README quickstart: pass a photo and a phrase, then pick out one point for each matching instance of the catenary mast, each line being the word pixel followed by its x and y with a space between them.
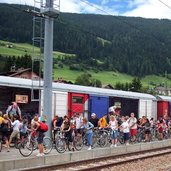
pixel 50 10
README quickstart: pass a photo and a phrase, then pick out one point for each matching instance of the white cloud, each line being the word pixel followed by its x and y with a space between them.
pixel 152 9
pixel 144 8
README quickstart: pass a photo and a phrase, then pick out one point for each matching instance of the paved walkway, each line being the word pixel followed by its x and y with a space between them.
pixel 15 154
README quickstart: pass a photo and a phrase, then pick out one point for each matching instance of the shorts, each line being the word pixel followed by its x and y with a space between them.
pixel 40 137
pixel 14 134
pixel 126 136
pixel 5 135
pixel 133 132
pixel 160 130
pixel 68 135
pixel 114 134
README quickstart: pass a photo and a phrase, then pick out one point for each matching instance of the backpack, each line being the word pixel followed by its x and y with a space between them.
pixel 43 127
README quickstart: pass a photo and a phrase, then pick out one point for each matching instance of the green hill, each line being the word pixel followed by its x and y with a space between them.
pixel 106 77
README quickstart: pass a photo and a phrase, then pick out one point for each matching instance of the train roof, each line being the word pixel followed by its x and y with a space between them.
pixel 26 83
pixel 163 98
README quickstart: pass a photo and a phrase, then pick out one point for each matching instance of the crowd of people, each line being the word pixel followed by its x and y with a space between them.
pixel 14 126
pixel 129 125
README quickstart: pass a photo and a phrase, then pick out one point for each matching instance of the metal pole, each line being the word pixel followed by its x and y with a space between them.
pixel 48 60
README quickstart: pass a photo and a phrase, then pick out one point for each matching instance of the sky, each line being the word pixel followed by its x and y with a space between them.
pixel 136 8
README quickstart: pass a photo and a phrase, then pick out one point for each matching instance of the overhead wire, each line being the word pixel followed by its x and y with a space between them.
pixel 123 21
pixel 165 4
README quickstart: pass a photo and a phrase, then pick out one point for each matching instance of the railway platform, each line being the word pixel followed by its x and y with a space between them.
pixel 13 161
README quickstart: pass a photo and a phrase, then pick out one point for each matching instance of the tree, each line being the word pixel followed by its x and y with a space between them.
pixel 84 79
pixel 96 83
pixel 136 85
pixel 119 86
pixel 87 80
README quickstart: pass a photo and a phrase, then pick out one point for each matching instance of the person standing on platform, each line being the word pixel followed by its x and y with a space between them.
pixel 113 124
pixel 56 124
pixel 125 128
pixel 133 126
pixel 16 127
pixel 88 126
pixel 103 122
pixel 14 110
pixel 6 130
pixel 94 120
pixel 78 122
pixel 40 132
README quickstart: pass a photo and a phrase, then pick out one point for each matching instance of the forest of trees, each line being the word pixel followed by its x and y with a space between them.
pixel 135 46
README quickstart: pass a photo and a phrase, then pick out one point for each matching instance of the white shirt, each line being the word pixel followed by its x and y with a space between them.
pixel 125 127
pixel 113 125
pixel 132 123
pixel 78 121
pixel 16 125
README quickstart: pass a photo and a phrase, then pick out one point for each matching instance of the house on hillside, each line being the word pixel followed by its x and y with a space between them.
pixel 22 73
pixel 108 86
pixel 61 80
pixel 163 91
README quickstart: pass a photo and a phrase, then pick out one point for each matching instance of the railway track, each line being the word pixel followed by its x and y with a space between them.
pixel 103 162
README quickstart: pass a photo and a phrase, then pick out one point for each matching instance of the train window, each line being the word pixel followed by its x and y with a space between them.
pixel 76 99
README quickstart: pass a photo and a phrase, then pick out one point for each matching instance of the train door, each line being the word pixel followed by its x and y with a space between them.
pixel 77 103
pixel 98 105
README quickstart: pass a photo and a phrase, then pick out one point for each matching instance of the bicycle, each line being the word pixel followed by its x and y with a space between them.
pixel 62 142
pixel 121 137
pixel 77 141
pixel 100 137
pixel 29 144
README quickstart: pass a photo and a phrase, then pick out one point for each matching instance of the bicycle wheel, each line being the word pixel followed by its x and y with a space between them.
pixel 121 138
pixel 139 137
pixel 60 145
pixel 103 139
pixel 94 140
pixel 78 143
pixel 47 145
pixel 25 148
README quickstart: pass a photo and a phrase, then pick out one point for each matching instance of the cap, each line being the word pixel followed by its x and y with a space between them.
pixel 93 114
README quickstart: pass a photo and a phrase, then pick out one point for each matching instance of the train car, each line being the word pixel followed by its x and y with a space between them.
pixel 99 100
pixel 69 99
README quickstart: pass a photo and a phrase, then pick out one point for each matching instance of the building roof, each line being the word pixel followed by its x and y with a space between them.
pixel 163 88
pixel 16 72
pixel 109 86
pixel 26 83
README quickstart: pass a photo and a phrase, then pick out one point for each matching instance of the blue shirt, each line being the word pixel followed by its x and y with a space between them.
pixel 88 126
